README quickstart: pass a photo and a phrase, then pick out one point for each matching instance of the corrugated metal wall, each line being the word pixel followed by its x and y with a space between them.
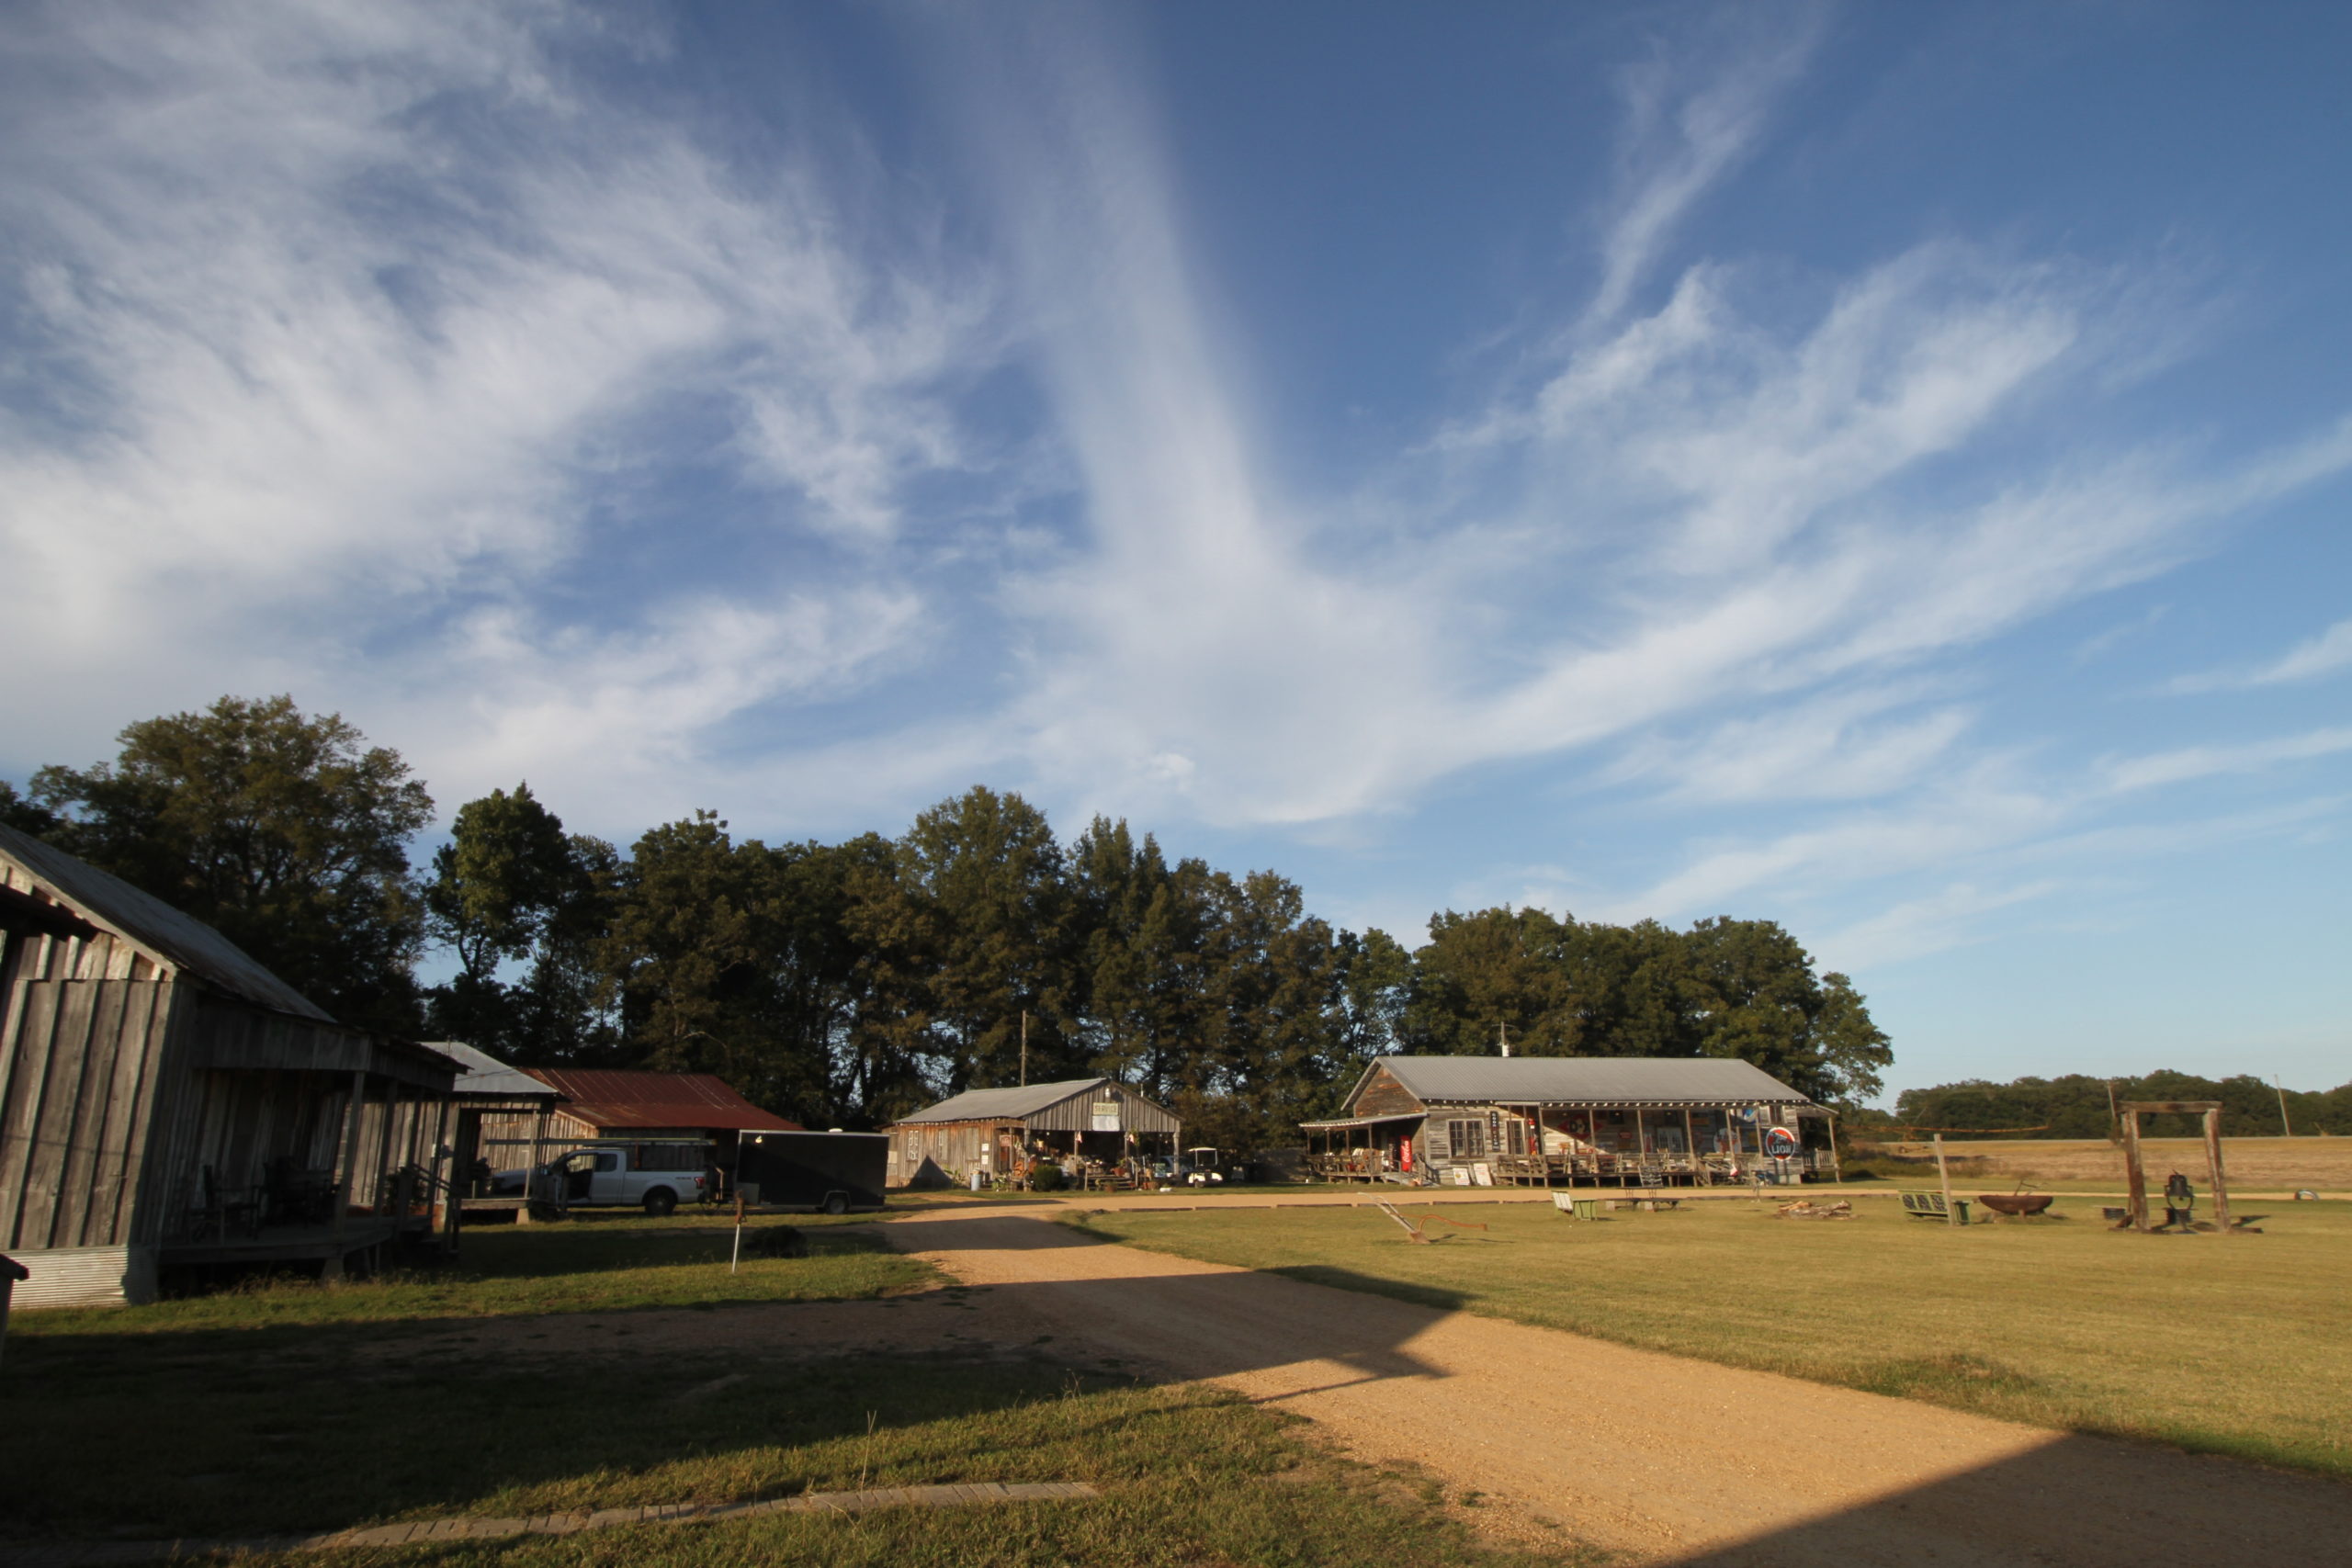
pixel 1076 1114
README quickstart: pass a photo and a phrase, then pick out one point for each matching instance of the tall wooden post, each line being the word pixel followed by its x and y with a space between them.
pixel 384 1140
pixel 1943 1175
pixel 1025 1047
pixel 349 1173
pixel 2214 1164
pixel 2135 1174
pixel 445 1152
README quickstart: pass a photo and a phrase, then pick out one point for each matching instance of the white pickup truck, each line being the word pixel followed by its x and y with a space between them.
pixel 655 1177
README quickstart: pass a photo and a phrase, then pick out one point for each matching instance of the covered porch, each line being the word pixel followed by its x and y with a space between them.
pixel 1364 1148
pixel 1659 1145
pixel 299 1142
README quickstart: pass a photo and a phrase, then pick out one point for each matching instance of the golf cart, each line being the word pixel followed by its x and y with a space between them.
pixel 1203 1166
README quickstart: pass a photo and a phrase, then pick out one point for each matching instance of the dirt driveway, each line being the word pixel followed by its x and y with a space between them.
pixel 1665 1460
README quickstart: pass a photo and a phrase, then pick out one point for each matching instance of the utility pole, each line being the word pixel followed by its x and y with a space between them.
pixel 2284 1130
pixel 1025 1047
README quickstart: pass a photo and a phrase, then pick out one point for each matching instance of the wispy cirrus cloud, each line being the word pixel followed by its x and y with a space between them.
pixel 2322 654
pixel 411 358
pixel 354 326
pixel 1706 509
pixel 2208 762
pixel 1686 130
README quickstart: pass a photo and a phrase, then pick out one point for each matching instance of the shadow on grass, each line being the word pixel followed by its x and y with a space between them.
pixel 227 1432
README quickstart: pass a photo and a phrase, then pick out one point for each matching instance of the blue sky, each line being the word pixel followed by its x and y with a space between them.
pixel 1883 469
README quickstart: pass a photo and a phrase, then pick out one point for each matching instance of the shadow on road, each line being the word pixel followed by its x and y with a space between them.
pixel 2079 1502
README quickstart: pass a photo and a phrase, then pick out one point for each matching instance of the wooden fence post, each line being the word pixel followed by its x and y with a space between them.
pixel 1951 1214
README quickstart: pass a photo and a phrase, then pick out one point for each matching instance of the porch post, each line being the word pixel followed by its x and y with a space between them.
pixel 350 1171
pixel 445 1153
pixel 384 1140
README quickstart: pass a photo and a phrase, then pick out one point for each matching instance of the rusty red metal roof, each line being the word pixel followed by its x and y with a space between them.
pixel 611 1099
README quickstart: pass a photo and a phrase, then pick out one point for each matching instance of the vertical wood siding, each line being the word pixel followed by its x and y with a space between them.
pixel 75 1064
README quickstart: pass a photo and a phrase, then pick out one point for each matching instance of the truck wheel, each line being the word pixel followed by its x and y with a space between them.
pixel 661 1201
pixel 836 1204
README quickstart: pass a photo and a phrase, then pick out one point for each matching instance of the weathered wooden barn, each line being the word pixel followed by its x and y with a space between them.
pixel 166 1101
pixel 603 1105
pixel 1097 1125
pixel 1545 1120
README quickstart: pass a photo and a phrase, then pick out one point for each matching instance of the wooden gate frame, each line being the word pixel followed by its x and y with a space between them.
pixel 2129 1111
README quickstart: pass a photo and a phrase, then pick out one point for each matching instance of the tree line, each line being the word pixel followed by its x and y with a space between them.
pixel 846 984
pixel 2079 1106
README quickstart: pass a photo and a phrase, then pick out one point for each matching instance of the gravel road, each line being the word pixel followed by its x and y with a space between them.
pixel 1661 1459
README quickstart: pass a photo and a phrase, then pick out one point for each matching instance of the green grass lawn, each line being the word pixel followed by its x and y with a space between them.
pixel 2229 1345
pixel 296 1407
pixel 590 1263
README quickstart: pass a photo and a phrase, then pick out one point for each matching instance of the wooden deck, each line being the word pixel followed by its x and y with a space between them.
pixel 294 1244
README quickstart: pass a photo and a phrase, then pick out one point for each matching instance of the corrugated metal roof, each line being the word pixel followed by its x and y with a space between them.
pixel 993 1104
pixel 606 1097
pixel 1347 1121
pixel 1588 1080
pixel 482 1075
pixel 180 941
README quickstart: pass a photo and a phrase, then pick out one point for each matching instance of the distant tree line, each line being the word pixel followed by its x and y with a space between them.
pixel 2077 1106
pixel 847 984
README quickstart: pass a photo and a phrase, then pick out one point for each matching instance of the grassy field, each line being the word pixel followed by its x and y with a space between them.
pixel 2228 1345
pixel 2064 1164
pixel 296 1407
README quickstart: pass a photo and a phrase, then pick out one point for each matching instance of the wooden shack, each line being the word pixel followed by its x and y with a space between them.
pixel 1542 1121
pixel 165 1101
pixel 1096 1127
pixel 488 1092
pixel 596 1105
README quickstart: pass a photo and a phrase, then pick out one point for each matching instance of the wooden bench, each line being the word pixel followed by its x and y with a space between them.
pixel 1931 1206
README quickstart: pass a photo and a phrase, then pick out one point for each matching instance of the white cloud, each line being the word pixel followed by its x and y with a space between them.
pixel 1958 819
pixel 2207 762
pixel 1715 509
pixel 1685 130
pixel 1840 746
pixel 2322 654
pixel 1951 918
pixel 353 317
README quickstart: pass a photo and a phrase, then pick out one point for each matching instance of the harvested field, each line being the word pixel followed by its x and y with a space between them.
pixel 2251 1163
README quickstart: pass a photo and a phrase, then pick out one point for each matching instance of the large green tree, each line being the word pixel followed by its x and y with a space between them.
pixel 510 885
pixel 974 930
pixel 1724 988
pixel 287 834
